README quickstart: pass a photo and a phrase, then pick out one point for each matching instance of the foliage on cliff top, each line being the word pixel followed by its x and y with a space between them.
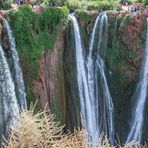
pixel 6 4
pixel 127 19
pixel 32 30
pixel 145 2
pixel 34 34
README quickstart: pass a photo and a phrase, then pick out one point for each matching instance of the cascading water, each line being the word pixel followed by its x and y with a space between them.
pixel 20 87
pixel 86 108
pixel 141 95
pixel 97 79
pixel 89 78
pixel 8 102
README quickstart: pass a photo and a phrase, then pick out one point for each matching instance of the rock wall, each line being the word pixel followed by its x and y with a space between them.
pixel 49 87
pixel 123 56
pixel 56 84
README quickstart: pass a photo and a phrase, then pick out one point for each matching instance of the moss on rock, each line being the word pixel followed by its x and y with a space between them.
pixel 35 33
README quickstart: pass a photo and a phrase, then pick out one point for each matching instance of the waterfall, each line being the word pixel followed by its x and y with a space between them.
pixel 140 97
pixel 101 101
pixel 8 102
pixel 90 72
pixel 20 87
pixel 86 108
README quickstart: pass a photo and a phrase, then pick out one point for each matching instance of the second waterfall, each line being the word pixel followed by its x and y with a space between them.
pixel 95 100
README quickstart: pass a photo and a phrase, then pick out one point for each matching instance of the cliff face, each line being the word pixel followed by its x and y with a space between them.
pixel 123 56
pixel 49 87
pixel 54 83
pixel 126 48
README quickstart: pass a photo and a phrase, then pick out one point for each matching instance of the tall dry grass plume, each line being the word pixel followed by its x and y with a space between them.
pixel 41 131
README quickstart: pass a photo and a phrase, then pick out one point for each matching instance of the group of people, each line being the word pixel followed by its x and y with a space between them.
pixel 132 8
pixel 19 2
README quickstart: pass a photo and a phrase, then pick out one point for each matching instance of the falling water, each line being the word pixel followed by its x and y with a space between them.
pixel 101 101
pixel 88 81
pixel 8 102
pixel 20 87
pixel 141 95
pixel 86 108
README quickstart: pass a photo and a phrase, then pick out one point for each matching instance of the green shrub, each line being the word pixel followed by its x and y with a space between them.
pixel 53 2
pixel 145 2
pixel 73 4
pixel 97 5
pixel 32 30
pixel 53 16
pixel 127 19
pixel 6 4
pixel 34 34
pixel 84 16
pixel 117 6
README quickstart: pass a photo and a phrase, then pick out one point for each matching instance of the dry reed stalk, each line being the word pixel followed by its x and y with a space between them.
pixel 41 131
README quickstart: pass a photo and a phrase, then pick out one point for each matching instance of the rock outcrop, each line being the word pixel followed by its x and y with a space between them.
pixel 49 88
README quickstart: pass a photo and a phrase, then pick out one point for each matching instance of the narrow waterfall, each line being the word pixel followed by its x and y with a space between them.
pixel 140 97
pixel 94 100
pixel 20 87
pixel 8 102
pixel 86 108
pixel 100 96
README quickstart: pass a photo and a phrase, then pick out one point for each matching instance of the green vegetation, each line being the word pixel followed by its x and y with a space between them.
pixel 73 4
pixel 6 4
pixel 97 5
pixel 145 2
pixel 127 19
pixel 92 5
pixel 83 15
pixel 34 34
pixel 53 2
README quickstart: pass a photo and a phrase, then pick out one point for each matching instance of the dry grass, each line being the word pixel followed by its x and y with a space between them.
pixel 76 140
pixel 41 131
pixel 38 130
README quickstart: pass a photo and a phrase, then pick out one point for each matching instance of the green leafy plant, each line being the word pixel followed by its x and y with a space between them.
pixel 6 4
pixel 127 19
pixel 35 33
pixel 53 2
pixel 145 2
pixel 97 5
pixel 73 4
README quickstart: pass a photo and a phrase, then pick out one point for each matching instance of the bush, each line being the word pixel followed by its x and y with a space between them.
pixel 53 16
pixel 73 4
pixel 127 19
pixel 53 2
pixel 41 131
pixel 117 6
pixel 145 2
pixel 31 30
pixel 97 5
pixel 35 33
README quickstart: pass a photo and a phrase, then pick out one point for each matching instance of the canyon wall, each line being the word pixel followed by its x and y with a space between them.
pixel 50 74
